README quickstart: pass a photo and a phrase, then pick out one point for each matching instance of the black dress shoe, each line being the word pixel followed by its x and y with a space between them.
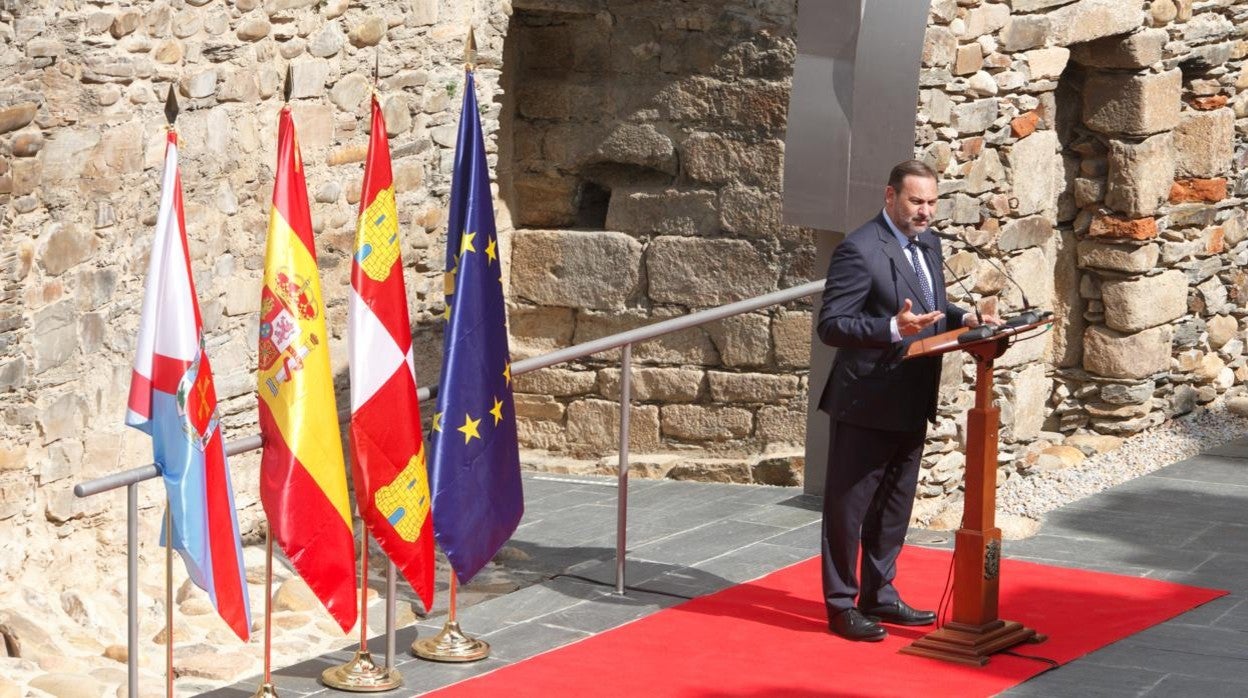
pixel 899 613
pixel 852 625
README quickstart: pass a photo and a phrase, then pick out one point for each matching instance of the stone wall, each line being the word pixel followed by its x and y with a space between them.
pixel 81 145
pixel 647 174
pixel 1097 149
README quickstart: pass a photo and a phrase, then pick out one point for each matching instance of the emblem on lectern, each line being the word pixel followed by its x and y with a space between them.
pixel 992 559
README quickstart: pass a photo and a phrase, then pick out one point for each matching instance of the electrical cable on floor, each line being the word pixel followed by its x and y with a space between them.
pixel 629 588
pixel 1052 663
pixel 946 596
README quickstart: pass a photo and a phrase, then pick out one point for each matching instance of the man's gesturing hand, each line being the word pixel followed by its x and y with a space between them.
pixel 908 323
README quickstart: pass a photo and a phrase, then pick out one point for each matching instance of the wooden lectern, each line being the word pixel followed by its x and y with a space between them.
pixel 975 632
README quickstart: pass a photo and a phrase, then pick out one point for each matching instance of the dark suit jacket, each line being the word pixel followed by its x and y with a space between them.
pixel 868 280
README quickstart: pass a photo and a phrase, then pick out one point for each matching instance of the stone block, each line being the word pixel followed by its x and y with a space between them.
pixel 538 407
pixel 1116 355
pixel 1135 304
pixel 537 331
pixel 1033 271
pixel 940 46
pixel 662 211
pixel 654 384
pixel 1131 52
pixel 973 117
pixel 777 424
pixel 706 423
pixel 327 41
pixel 1132 104
pixel 751 387
pixel 1204 143
pixel 53 335
pixel 1123 258
pixel 1029 404
pixel 547 200
pixel 691 346
pixel 698 272
pixel 541 434
pixel 970 59
pixel 638 144
pixel 556 382
pixel 1032 231
pixel 1196 189
pixel 63 418
pixel 1222 329
pixel 1128 393
pixel 780 471
pixel 742 340
pixel 791 338
pixel 1140 174
pixel 575 269
pixel 1035 163
pixel 64 245
pixel 17 116
pixel 1046 63
pixel 308 78
pixel 369 32
pixel 722 470
pixel 749 211
pixel 594 426
pixel 1088 20
pixel 716 159
pixel 984 172
pixel 1118 227
pixel 1023 32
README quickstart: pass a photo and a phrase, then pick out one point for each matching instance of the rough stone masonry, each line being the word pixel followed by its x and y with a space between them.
pixel 1097 148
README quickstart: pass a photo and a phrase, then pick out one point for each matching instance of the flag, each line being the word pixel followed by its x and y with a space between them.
pixel 477 497
pixel 387 450
pixel 303 479
pixel 173 400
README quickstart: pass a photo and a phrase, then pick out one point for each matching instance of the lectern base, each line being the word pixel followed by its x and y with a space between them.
pixel 970 644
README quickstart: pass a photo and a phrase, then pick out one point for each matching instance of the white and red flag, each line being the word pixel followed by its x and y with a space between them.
pixel 387 451
pixel 172 398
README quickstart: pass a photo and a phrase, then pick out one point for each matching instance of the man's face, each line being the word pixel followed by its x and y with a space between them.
pixel 912 208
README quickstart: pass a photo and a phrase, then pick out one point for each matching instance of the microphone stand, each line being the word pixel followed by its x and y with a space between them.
pixel 1029 313
pixel 981 331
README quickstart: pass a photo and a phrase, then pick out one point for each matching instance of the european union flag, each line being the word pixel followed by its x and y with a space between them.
pixel 475 476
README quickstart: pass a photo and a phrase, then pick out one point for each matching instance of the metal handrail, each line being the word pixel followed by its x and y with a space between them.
pixel 132 477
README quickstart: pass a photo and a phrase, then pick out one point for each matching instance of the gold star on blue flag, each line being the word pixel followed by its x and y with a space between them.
pixel 475 470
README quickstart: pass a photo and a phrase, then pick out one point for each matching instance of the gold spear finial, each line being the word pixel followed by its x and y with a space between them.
pixel 470 51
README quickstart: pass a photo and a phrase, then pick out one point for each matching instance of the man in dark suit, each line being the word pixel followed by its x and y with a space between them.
pixel 885 289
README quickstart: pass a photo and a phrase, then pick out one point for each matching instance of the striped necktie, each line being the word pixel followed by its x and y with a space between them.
pixel 918 271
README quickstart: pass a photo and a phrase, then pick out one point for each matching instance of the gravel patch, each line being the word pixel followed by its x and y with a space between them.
pixel 1170 442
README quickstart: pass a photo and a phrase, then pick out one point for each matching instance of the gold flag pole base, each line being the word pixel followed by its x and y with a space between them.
pixel 266 690
pixel 451 645
pixel 362 675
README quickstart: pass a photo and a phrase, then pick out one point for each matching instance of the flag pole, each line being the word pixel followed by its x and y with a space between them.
pixel 451 644
pixel 266 689
pixel 171 117
pixel 361 674
pixel 169 596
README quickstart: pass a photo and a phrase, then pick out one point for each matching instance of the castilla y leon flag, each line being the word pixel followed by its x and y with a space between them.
pixel 173 400
pixel 387 451
pixel 477 495
pixel 303 479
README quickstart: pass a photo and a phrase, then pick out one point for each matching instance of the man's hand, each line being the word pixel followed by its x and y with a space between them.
pixel 908 323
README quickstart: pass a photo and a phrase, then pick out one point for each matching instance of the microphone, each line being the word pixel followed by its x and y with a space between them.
pixel 1029 312
pixel 976 333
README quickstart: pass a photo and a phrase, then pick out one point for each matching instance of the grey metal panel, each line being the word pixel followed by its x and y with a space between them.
pixel 838 154
pixel 886 85
pixel 817 142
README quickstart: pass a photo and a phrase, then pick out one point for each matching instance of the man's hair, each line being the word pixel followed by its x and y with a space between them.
pixel 909 168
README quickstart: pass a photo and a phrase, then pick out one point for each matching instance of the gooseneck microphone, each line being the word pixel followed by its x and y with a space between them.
pixel 974 334
pixel 1029 312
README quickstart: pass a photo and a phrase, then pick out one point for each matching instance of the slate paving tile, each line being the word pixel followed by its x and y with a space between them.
pixel 524 640
pixel 1208 468
pixel 609 610
pixel 1153 529
pixel 702 543
pixel 1087 679
pixel 1172 686
pixel 1237 448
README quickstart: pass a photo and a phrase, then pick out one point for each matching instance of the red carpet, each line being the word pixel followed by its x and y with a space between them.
pixel 769 638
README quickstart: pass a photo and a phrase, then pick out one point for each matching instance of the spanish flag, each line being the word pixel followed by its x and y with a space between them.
pixel 303 479
pixel 387 450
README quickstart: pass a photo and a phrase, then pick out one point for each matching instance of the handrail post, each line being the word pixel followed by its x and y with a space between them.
pixel 132 591
pixel 621 522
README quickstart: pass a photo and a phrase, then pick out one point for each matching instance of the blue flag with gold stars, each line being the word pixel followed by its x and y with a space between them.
pixel 475 475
